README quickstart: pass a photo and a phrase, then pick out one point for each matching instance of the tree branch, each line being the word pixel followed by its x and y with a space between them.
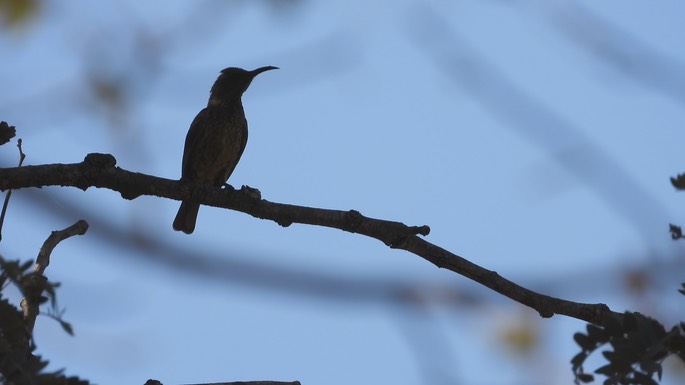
pixel 99 170
pixel 33 288
pixel 156 382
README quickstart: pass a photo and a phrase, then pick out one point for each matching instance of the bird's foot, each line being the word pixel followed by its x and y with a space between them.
pixel 251 192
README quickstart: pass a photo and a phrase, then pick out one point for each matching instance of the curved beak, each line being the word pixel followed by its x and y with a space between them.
pixel 262 69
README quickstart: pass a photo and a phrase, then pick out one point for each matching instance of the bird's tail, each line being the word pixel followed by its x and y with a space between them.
pixel 186 217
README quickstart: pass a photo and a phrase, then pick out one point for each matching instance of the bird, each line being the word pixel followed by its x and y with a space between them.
pixel 216 139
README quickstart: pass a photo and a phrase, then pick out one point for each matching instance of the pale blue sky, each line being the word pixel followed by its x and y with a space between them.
pixel 534 138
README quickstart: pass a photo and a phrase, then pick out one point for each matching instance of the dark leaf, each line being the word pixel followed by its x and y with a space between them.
pixel 614 326
pixel 609 355
pixel 67 327
pixel 578 359
pixel 678 182
pixel 630 321
pixel 607 370
pixel 76 381
pixel 627 354
pixel 619 361
pixel 584 342
pixel 26 266
pixel 656 330
pixel 650 366
pixel 677 341
pixel 7 132
pixel 36 364
pixel 598 334
pixel 644 379
pixel 584 377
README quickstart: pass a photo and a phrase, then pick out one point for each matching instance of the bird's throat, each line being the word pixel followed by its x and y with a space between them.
pixel 218 101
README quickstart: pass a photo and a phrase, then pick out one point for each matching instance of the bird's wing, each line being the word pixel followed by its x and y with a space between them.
pixel 244 141
pixel 195 132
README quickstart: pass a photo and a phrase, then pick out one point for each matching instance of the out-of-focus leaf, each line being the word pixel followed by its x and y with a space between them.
pixel 578 360
pixel 14 13
pixel 614 326
pixel 67 327
pixel 678 182
pixel 606 370
pixel 643 379
pixel 583 341
pixel 650 366
pixel 596 333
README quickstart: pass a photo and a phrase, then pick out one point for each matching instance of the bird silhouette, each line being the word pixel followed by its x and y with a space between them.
pixel 216 139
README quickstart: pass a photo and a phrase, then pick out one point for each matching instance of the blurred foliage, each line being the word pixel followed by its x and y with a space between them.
pixel 676 231
pixel 521 340
pixel 521 335
pixel 637 347
pixel 638 344
pixel 678 182
pixel 14 13
pixel 18 364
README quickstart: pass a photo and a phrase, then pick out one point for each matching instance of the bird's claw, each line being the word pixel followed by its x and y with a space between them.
pixel 251 192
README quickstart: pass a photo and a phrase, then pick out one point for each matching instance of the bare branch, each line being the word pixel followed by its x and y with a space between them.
pixel 253 383
pixel 33 289
pixel 156 382
pixel 22 156
pixel 43 258
pixel 98 170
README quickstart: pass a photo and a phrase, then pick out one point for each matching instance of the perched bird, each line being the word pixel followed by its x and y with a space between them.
pixel 216 139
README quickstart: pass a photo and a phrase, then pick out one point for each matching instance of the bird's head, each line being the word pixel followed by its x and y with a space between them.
pixel 233 81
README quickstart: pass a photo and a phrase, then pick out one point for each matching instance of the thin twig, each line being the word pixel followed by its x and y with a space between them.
pixel 33 289
pixel 43 258
pixel 9 192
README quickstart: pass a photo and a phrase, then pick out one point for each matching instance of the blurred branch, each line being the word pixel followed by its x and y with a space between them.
pixel 625 52
pixel 98 170
pixel 463 64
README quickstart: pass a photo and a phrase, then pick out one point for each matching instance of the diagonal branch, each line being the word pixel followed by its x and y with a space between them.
pixel 34 287
pixel 99 170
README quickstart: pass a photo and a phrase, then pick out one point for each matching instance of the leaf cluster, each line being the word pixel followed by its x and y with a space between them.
pixel 18 363
pixel 637 346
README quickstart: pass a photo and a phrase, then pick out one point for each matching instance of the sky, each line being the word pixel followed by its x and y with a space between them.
pixel 535 138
